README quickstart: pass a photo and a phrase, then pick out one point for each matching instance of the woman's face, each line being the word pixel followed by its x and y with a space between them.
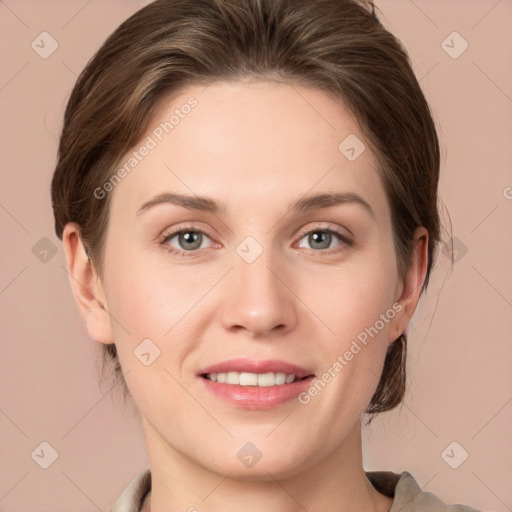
pixel 262 280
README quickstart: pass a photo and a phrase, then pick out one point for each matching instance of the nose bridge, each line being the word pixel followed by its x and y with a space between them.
pixel 257 298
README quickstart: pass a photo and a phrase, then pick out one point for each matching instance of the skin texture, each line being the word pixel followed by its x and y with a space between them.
pixel 257 147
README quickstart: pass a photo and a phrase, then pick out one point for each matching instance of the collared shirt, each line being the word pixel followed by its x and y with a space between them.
pixel 403 488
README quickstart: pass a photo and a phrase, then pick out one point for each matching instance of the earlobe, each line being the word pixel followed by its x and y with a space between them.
pixel 410 289
pixel 86 286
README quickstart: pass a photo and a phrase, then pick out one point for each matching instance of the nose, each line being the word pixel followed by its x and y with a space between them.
pixel 258 299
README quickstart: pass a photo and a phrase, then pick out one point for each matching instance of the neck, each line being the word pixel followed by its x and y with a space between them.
pixel 337 482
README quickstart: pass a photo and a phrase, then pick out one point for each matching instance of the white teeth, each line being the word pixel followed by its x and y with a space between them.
pixel 249 379
pixel 252 379
pixel 266 379
pixel 281 378
pixel 290 378
pixel 232 378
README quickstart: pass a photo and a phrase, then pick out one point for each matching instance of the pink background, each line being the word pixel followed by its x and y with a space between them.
pixel 459 360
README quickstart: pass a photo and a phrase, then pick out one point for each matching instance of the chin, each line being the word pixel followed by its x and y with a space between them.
pixel 260 461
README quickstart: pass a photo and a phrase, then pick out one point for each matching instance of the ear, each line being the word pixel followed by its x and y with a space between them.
pixel 408 291
pixel 86 286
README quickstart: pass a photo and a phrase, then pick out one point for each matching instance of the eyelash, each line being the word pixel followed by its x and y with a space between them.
pixel 345 241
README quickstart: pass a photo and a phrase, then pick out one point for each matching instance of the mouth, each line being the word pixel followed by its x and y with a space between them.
pixel 251 384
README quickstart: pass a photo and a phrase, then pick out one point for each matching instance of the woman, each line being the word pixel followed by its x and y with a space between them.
pixel 247 196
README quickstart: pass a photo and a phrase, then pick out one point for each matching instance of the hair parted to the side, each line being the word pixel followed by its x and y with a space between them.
pixel 338 46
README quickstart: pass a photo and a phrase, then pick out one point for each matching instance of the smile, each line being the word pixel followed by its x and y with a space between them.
pixel 252 379
pixel 250 384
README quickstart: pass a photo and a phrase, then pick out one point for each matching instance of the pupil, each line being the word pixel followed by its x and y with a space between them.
pixel 318 236
pixel 190 237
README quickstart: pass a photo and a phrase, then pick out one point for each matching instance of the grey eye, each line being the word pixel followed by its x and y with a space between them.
pixel 187 240
pixel 320 239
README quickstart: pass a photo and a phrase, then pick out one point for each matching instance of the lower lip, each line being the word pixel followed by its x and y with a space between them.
pixel 255 397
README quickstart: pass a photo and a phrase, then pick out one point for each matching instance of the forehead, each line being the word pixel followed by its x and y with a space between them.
pixel 245 142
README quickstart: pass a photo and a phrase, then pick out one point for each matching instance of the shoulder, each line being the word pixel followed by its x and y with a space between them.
pixel 408 495
pixel 132 497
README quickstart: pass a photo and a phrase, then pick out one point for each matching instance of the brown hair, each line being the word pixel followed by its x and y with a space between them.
pixel 338 46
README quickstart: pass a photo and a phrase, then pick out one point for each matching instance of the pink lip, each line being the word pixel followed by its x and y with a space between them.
pixel 255 397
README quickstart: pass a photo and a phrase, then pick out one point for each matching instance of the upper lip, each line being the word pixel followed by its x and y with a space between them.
pixel 252 366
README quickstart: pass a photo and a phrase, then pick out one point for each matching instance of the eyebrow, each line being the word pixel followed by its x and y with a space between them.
pixel 204 203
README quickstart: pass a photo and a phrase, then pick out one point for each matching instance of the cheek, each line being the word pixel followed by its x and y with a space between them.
pixel 151 299
pixel 152 312
pixel 352 299
pixel 355 306
pixel 167 305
